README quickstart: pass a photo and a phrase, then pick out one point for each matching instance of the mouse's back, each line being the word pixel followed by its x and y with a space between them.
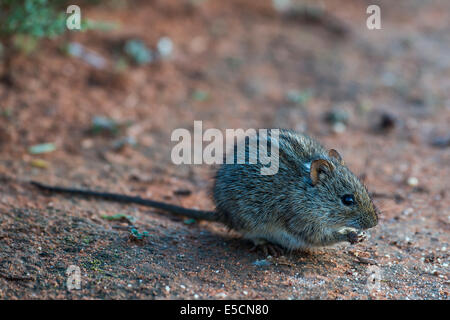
pixel 293 206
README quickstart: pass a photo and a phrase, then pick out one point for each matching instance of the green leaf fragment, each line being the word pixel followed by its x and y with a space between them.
pixel 138 52
pixel 189 221
pixel 103 124
pixel 200 95
pixel 138 235
pixel 42 148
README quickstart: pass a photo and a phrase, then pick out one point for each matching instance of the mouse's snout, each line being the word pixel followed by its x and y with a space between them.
pixel 369 219
pixel 365 218
pixel 373 221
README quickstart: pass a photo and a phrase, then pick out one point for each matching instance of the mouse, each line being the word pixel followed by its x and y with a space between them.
pixel 313 200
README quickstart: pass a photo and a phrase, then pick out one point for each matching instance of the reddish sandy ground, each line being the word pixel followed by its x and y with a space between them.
pixel 235 65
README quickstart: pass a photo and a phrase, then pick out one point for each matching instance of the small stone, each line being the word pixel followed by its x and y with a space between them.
pixel 87 143
pixel 165 47
pixel 298 97
pixel 94 59
pixel 261 263
pixel 384 122
pixel 337 115
pixel 281 5
pixel 413 181
pixel 408 211
pixel 122 142
pixel 441 142
pixel 339 127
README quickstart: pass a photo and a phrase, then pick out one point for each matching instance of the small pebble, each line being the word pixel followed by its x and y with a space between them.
pixel 94 59
pixel 122 142
pixel 385 123
pixel 261 263
pixel 281 5
pixel 337 115
pixel 165 47
pixel 413 181
pixel 441 141
pixel 87 143
pixel 339 127
pixel 408 211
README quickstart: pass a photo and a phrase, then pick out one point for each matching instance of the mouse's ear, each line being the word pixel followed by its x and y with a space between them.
pixel 334 154
pixel 318 168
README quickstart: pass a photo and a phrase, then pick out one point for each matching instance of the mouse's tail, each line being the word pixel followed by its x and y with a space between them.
pixel 177 210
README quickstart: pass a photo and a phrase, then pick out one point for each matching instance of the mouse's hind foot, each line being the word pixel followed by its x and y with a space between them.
pixel 268 248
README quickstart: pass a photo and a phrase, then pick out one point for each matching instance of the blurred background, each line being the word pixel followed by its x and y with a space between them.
pixel 97 107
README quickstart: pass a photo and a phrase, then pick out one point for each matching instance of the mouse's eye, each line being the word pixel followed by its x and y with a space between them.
pixel 348 199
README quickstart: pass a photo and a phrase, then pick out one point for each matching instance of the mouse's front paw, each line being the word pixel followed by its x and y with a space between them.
pixel 356 237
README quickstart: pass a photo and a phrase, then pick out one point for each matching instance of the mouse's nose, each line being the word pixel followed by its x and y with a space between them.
pixel 371 220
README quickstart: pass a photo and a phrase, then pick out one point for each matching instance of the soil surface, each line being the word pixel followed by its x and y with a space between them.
pixel 380 97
